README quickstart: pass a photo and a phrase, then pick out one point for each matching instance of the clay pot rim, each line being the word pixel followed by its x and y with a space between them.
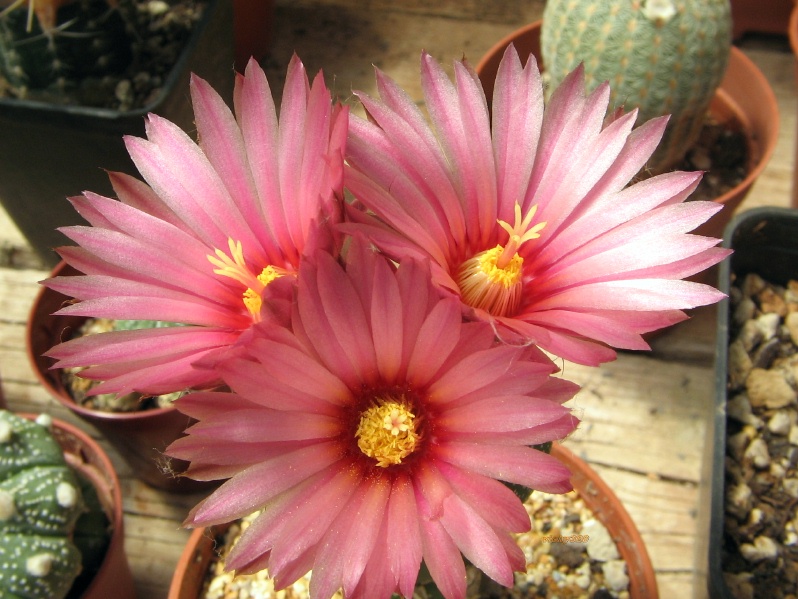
pixel 737 57
pixel 596 494
pixel 58 391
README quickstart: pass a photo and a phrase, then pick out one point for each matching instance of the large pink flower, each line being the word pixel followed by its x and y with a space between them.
pixel 372 433
pixel 529 218
pixel 201 241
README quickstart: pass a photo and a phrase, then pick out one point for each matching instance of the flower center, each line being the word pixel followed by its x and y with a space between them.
pixel 234 267
pixel 492 280
pixel 387 432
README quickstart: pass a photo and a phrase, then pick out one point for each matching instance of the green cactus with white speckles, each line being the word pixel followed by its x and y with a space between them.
pixel 660 56
pixel 40 504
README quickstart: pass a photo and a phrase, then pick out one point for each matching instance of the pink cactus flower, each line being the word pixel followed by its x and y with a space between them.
pixel 373 433
pixel 201 242
pixel 527 214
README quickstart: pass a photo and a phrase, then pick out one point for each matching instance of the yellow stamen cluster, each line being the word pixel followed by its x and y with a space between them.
pixel 387 432
pixel 234 267
pixel 492 280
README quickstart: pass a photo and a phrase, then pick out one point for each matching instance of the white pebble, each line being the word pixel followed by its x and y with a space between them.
pixel 763 548
pixel 600 545
pixel 790 485
pixel 779 423
pixel 615 575
pixel 757 452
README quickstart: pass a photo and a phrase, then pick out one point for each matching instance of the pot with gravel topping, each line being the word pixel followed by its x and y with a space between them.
pixel 750 504
pixel 581 544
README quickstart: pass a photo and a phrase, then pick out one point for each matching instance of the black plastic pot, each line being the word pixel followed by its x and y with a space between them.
pixel 50 152
pixel 765 241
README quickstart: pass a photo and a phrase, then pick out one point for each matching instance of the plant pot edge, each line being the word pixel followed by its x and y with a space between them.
pixel 597 495
pixel 709 571
pixel 133 434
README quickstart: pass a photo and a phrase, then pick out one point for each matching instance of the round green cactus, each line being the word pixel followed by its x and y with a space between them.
pixel 660 56
pixel 40 503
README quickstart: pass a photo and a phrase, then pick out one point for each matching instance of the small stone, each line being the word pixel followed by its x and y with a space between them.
pixel 793 436
pixel 779 423
pixel 157 7
pixel 737 444
pixel 745 311
pixel 124 91
pixel 791 322
pixel 739 408
pixel 739 584
pixel 769 325
pixel 767 352
pixel 583 576
pixel 753 284
pixel 750 335
pixel 739 364
pixel 757 452
pixel 790 486
pixel 768 388
pixel 791 539
pixel 771 301
pixel 600 545
pixel 615 575
pixel 739 500
pixel 763 548
pixel 568 554
pixel 777 470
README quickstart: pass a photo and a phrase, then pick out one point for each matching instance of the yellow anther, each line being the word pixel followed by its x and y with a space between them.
pixel 492 280
pixel 387 432
pixel 234 267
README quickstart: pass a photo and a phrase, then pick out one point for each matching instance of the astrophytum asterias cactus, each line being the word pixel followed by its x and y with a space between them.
pixel 40 502
pixel 660 56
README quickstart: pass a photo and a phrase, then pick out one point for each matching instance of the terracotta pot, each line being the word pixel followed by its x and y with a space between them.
pixel 201 547
pixel 793 33
pixel 760 16
pixel 113 577
pixel 744 96
pixel 253 30
pixel 139 437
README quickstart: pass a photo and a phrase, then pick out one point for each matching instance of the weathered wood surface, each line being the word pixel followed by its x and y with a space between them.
pixel 644 416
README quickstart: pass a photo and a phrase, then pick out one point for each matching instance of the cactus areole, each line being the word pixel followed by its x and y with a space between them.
pixel 660 56
pixel 40 503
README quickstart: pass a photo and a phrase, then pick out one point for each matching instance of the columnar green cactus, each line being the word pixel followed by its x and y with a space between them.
pixel 40 503
pixel 661 56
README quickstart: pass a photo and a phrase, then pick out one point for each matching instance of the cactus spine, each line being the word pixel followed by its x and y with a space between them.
pixel 40 503
pixel 661 56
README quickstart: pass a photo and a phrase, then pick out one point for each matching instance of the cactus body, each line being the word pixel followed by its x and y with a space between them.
pixel 660 56
pixel 40 503
pixel 87 39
